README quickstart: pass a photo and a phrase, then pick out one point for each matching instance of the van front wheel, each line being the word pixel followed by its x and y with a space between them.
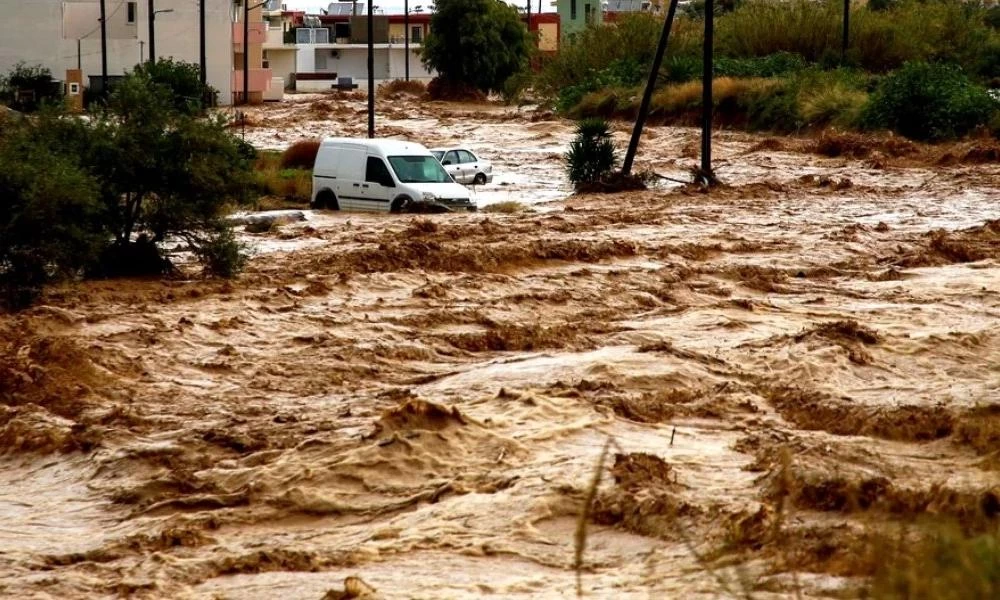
pixel 400 204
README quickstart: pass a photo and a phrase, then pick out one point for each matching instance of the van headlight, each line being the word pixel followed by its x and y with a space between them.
pixel 429 197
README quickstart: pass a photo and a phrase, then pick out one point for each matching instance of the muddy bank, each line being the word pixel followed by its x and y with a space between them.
pixel 421 401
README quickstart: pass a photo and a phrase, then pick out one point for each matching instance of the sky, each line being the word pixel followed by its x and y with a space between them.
pixel 394 6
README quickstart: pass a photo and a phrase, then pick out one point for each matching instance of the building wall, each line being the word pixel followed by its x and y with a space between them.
pixel 571 26
pixel 45 32
pixel 282 63
pixel 353 62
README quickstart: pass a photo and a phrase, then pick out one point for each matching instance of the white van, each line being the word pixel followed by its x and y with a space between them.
pixel 367 174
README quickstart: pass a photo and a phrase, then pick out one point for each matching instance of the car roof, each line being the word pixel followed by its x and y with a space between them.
pixel 387 146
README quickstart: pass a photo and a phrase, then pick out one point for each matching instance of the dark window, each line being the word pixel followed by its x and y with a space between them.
pixel 572 10
pixel 466 156
pixel 417 34
pixel 341 30
pixel 588 14
pixel 377 172
pixel 130 13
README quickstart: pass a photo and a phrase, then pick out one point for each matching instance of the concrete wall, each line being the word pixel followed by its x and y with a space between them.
pixel 390 63
pixel 282 63
pixel 46 31
pixel 571 26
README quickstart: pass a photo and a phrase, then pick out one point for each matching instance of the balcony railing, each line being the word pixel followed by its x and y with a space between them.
pixel 257 30
pixel 259 80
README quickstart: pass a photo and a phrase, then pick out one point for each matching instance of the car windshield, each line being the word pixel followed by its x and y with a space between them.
pixel 418 169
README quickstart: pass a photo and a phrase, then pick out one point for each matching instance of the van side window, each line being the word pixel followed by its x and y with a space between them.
pixel 377 172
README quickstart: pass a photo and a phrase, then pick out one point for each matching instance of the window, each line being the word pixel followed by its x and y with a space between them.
pixel 572 10
pixel 378 173
pixel 74 89
pixel 588 14
pixel 466 157
pixel 450 159
pixel 130 13
pixel 418 169
pixel 320 60
pixel 417 34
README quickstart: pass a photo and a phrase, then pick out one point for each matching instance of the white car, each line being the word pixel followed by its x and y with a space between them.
pixel 464 166
pixel 364 174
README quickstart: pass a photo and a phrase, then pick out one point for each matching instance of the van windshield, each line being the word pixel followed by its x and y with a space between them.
pixel 419 169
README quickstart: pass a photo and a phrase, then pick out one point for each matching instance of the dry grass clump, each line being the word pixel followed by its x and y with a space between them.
pixel 837 104
pixel 280 186
pixel 300 155
pixel 397 87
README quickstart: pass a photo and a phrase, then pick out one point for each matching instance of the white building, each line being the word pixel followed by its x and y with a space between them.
pixel 58 34
pixel 319 63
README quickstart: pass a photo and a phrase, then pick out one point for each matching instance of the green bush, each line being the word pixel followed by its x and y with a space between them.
pixel 50 225
pixel 26 88
pixel 592 153
pixel 108 196
pixel 183 80
pixel 926 101
pixel 221 253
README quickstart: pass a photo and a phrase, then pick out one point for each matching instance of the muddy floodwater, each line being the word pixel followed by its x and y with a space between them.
pixel 772 371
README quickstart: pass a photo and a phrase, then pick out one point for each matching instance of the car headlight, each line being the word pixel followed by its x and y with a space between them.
pixel 429 197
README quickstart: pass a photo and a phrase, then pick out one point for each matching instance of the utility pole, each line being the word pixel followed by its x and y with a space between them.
pixel 79 56
pixel 201 40
pixel 152 33
pixel 706 175
pixel 104 50
pixel 371 71
pixel 406 37
pixel 246 52
pixel 647 95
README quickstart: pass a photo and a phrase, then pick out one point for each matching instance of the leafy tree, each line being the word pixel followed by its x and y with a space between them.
pixel 24 78
pixel 183 79
pixel 482 43
pixel 111 194
pixel 50 224
pixel 592 153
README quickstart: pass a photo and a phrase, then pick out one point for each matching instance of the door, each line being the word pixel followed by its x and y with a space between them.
pixel 453 166
pixel 378 187
pixel 469 165
pixel 348 175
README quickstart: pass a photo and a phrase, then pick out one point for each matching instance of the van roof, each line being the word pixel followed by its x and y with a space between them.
pixel 385 146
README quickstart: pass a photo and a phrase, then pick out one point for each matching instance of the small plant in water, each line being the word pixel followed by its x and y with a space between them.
pixel 592 154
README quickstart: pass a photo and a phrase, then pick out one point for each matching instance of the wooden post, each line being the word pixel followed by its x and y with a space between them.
pixel 706 175
pixel 647 95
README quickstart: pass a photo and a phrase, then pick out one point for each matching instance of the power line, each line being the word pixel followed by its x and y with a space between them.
pixel 113 13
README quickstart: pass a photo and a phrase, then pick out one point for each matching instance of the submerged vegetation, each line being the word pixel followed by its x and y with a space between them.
pixel 779 67
pixel 116 193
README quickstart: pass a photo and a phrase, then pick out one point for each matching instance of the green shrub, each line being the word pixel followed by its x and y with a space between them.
pixel 929 102
pixel 26 88
pixel 183 80
pixel 592 153
pixel 221 253
pixel 50 225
